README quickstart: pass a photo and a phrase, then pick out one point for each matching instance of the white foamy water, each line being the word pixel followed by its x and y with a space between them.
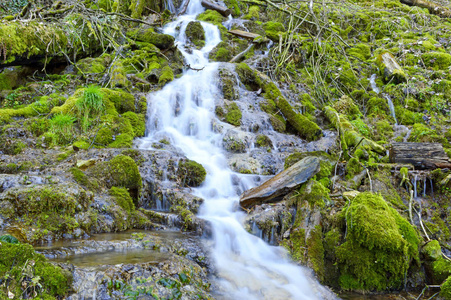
pixel 183 112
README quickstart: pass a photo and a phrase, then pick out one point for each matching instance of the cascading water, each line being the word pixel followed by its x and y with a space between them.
pixel 183 112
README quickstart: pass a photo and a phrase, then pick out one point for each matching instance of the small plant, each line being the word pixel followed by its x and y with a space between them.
pixel 63 126
pixel 90 105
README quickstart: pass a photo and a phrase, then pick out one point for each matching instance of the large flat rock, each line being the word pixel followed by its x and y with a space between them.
pixel 282 183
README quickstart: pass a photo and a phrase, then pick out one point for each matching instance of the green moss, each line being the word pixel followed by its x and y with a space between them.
pixel 353 167
pixel 191 173
pixel 360 51
pixel 248 76
pixel 315 251
pixel 315 194
pixel 137 121
pixel 272 30
pixel 379 246
pixel 138 7
pixel 253 13
pixel 20 263
pixel 120 171
pixel 221 54
pixel 81 145
pixel 122 198
pixel 424 134
pixel 303 126
pixel 47 209
pixel 211 16
pixel 81 178
pixel 437 60
pixel 122 100
pixel 166 75
pixel 347 107
pixel 263 141
pixel 445 289
pixel 196 34
pixel 233 115
pixel 96 65
pixel 162 41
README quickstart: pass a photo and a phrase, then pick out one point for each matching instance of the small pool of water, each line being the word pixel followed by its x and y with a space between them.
pixel 112 236
pixel 132 256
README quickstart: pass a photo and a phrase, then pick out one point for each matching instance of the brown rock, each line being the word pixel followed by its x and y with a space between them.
pixel 282 183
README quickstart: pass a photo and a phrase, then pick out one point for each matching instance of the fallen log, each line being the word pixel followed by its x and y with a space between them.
pixel 282 183
pixel 219 8
pixel 435 9
pixel 244 34
pixel 420 155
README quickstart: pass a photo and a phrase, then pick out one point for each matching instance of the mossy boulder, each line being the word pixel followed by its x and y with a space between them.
pixel 120 171
pixel 162 41
pixel 190 173
pixel 436 266
pixel 22 266
pixel 379 248
pixel 195 33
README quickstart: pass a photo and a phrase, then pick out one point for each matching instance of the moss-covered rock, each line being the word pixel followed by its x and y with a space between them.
pixel 436 266
pixel 122 198
pixel 23 266
pixel 379 248
pixel 233 114
pixel 195 33
pixel 190 173
pixel 162 41
pixel 120 171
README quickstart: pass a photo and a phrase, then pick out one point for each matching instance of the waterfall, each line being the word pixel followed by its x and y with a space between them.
pixel 386 96
pixel 183 112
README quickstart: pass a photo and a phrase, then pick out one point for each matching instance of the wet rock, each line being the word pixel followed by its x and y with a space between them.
pixel 236 141
pixel 282 183
pixel 270 222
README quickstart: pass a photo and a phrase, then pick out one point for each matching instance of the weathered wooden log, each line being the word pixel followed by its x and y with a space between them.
pixel 244 34
pixel 420 155
pixel 219 8
pixel 282 183
pixel 433 8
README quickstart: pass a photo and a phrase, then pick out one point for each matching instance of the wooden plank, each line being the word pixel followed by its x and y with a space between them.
pixel 244 34
pixel 219 8
pixel 420 155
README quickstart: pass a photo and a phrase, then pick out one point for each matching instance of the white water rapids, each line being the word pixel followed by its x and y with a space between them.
pixel 183 112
